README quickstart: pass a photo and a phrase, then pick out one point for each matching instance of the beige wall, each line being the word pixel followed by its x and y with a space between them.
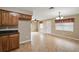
pixel 34 26
pixel 74 34
pixel 46 26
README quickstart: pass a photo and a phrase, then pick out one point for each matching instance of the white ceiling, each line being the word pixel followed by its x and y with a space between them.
pixel 42 13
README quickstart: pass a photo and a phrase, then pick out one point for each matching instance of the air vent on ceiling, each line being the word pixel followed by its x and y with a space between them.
pixel 51 8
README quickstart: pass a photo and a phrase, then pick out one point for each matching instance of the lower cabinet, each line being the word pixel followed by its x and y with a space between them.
pixel 14 41
pixel 1 48
pixel 9 42
pixel 5 43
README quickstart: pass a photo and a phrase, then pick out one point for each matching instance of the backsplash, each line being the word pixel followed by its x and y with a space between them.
pixel 9 28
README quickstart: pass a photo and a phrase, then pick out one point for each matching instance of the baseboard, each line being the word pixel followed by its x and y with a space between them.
pixel 63 36
pixel 25 41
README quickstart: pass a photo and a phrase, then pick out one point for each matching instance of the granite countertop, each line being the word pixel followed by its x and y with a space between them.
pixel 8 32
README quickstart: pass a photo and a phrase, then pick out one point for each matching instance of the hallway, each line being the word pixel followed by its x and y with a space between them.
pixel 41 42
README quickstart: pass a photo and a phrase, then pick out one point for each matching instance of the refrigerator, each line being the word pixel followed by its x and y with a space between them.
pixel 24 28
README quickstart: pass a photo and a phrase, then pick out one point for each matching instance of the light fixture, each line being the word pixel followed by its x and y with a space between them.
pixel 59 17
pixel 35 20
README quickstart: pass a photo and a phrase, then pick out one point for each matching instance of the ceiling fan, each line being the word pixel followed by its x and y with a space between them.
pixel 37 21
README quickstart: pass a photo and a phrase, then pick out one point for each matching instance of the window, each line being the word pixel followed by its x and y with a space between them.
pixel 64 25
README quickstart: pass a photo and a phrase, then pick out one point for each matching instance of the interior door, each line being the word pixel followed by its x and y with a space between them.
pixel 48 26
pixel 41 27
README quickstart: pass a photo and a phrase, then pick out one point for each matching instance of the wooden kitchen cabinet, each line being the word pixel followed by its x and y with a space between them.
pixel 13 18
pixel 4 43
pixel 14 41
pixel 28 17
pixel 1 48
pixel 9 42
pixel 22 16
pixel 25 17
pixel 0 18
pixel 9 18
pixel 5 17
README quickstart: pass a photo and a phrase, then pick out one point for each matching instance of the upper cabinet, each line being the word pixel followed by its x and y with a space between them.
pixel 25 17
pixel 28 17
pixel 13 18
pixel 0 18
pixel 9 18
pixel 5 17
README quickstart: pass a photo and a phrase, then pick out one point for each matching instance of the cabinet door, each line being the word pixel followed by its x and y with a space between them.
pixel 5 16
pixel 1 48
pixel 0 17
pixel 5 43
pixel 14 41
pixel 28 17
pixel 10 20
pixel 22 17
pixel 13 19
